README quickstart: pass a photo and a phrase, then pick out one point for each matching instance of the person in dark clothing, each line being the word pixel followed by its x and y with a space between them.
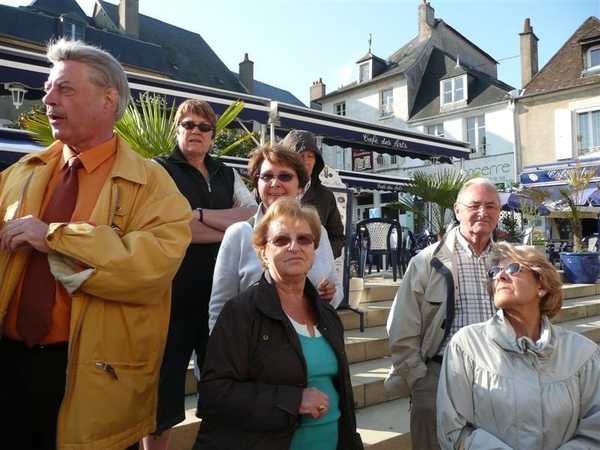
pixel 218 198
pixel 276 375
pixel 321 197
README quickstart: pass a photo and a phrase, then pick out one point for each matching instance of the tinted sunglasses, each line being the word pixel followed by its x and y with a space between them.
pixel 511 269
pixel 283 177
pixel 283 240
pixel 190 125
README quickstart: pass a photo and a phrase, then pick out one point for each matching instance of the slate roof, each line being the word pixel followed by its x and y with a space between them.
pixel 400 61
pixel 57 8
pixel 483 89
pixel 188 57
pixel 26 26
pixel 267 91
pixel 162 49
pixel 564 69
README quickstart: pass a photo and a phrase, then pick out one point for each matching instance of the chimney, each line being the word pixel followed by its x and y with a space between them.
pixel 129 18
pixel 426 20
pixel 529 53
pixel 317 90
pixel 247 74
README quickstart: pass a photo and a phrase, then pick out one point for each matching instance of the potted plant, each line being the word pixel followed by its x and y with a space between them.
pixel 580 265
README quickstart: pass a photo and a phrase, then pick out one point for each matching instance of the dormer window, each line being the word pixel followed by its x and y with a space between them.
pixel 73 29
pixel 594 58
pixel 591 58
pixel 453 93
pixel 364 72
pixel 453 90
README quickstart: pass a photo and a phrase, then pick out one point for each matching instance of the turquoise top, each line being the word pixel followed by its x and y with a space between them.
pixel 322 367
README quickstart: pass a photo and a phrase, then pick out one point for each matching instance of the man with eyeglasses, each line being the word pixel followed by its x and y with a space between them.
pixel 444 289
pixel 218 198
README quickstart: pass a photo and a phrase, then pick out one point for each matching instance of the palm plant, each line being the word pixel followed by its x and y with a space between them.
pixel 577 179
pixel 438 193
pixel 147 126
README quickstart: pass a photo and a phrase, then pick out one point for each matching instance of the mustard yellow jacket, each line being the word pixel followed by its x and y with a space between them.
pixel 121 302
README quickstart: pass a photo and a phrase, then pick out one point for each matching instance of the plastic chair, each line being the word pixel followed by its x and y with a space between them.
pixel 379 237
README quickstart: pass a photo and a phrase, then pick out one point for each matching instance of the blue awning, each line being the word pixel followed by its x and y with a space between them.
pixel 360 135
pixel 362 180
pixel 31 70
pixel 550 174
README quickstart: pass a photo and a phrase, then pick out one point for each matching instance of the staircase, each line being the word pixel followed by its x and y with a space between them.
pixel 383 420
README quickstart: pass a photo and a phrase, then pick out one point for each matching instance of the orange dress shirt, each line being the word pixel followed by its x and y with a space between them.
pixel 97 165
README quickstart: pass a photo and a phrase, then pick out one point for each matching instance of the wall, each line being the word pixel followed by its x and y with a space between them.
pixel 537 127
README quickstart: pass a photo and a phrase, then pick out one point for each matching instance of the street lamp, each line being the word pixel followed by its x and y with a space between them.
pixel 17 91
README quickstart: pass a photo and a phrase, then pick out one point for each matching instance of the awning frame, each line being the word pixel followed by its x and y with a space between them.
pixel 351 133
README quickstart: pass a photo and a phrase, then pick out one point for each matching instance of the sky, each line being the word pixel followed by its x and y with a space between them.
pixel 295 43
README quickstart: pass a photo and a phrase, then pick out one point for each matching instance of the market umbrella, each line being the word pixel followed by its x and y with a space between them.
pixel 512 201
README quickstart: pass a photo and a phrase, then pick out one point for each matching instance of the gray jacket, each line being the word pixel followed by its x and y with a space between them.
pixel 500 392
pixel 418 322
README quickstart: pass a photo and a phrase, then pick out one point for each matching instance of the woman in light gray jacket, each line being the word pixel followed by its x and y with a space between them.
pixel 276 171
pixel 517 381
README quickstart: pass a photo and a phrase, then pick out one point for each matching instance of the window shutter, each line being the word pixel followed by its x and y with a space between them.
pixel 562 134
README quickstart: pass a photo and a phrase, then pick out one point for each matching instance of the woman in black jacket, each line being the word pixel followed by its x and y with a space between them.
pixel 276 374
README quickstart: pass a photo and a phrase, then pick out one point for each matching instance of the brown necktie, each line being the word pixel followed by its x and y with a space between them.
pixel 39 286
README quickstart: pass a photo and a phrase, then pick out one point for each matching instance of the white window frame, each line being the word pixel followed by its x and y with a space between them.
pixel 476 135
pixel 386 100
pixel 339 108
pixel 73 30
pixel 364 72
pixel 591 54
pixel 436 130
pixel 591 140
pixel 457 94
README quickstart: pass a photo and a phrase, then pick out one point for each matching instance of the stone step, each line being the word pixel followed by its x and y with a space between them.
pixel 367 345
pixel 375 315
pixel 587 326
pixel 385 426
pixel 578 308
pixel 383 290
pixel 367 382
pixel 580 290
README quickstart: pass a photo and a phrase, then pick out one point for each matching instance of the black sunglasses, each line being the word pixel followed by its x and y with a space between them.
pixel 511 269
pixel 190 125
pixel 283 177
pixel 283 240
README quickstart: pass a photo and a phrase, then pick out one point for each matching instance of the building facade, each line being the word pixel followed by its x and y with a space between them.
pixel 438 83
